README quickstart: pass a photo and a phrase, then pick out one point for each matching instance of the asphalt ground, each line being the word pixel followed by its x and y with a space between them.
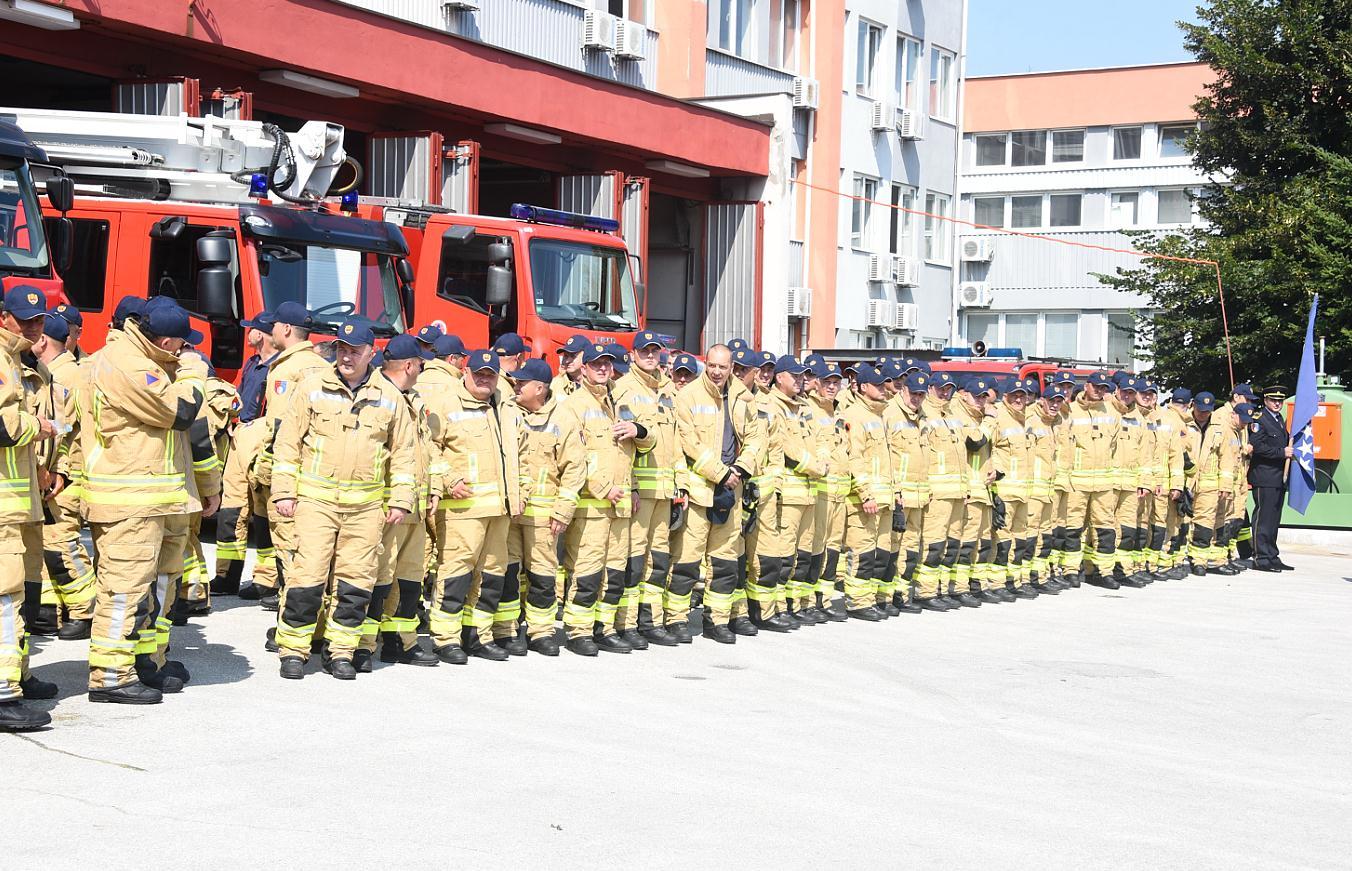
pixel 1193 724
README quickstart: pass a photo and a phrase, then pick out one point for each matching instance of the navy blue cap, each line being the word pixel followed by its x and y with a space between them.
pixel 738 345
pixel 484 360
pixel 71 314
pixel 164 317
pixel 509 344
pixel 56 327
pixel 597 352
pixel 812 359
pixel 942 379
pixel 449 345
pixel 25 302
pixel 917 382
pixel 1245 390
pixel 819 368
pixel 978 384
pixel 746 358
pixel 532 370
pixel 1101 379
pixel 429 334
pixel 356 331
pixel 767 358
pixel 576 344
pixel 880 361
pixel 866 374
pixel 686 362
pixel 1014 385
pixel 128 307
pixel 788 364
pixel 1147 386
pixel 1181 394
pixel 1247 412
pixel 405 347
pixel 293 314
pixel 893 370
pixel 261 321
pixel 1063 376
pixel 622 365
pixel 646 339
pixel 1119 376
pixel 1031 385
pixel 1051 391
pixel 1204 402
pixel 1131 382
pixel 664 358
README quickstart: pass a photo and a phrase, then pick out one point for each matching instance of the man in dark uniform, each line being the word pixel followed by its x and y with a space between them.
pixel 1267 474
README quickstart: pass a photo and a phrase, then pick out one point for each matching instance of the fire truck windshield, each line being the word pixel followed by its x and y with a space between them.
pixel 582 285
pixel 321 277
pixel 23 245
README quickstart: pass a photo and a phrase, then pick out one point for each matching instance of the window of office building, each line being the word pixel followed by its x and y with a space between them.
pixel 1124 209
pixel 784 28
pixel 943 90
pixel 1021 332
pixel 937 229
pixel 861 214
pixel 866 56
pixel 989 211
pixel 1174 140
pixel 1126 143
pixel 990 149
pixel 635 10
pixel 983 327
pixel 902 221
pixel 1121 338
pixel 1025 211
pixel 1028 148
pixel 1067 146
pixel 1175 207
pixel 1061 335
pixel 908 72
pixel 1065 209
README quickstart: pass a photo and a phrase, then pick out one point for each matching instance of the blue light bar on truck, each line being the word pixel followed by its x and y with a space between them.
pixel 540 215
pixel 1007 353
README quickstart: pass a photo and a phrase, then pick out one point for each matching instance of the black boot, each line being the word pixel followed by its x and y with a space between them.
pixel 342 669
pixel 1097 579
pixel 361 660
pixel 151 676
pixel 546 646
pixel 292 668
pixel 904 607
pixel 659 636
pixel 477 648
pixel 635 640
pixel 868 615
pixel 392 650
pixel 37 689
pixel 681 632
pixel 612 643
pixel 43 621
pixel 270 603
pixel 177 669
pixel 228 583
pixel 1027 591
pixel 134 693
pixel 721 634
pixel 934 604
pixel 15 716
pixel 452 654
pixel 582 646
pixel 967 600
pixel 74 630
pixel 516 645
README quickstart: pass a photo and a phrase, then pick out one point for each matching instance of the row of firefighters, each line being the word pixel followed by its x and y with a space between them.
pixel 477 497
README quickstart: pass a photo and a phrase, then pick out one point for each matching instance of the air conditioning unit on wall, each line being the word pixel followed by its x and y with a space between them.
pixel 906 271
pixel 977 250
pixel 880 118
pixel 880 267
pixel 974 294
pixel 799 302
pixel 910 124
pixel 806 93
pixel 598 30
pixel 908 316
pixel 630 39
pixel 880 313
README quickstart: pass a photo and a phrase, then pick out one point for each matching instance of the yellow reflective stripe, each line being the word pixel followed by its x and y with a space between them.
pixel 584 502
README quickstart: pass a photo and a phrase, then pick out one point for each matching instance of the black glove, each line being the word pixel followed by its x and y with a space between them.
pixel 1187 462
pixel 898 518
pixel 976 444
pixel 998 512
pixel 677 515
pixel 1185 504
pixel 748 520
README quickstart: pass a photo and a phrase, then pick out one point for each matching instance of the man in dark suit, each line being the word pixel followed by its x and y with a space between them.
pixel 1267 474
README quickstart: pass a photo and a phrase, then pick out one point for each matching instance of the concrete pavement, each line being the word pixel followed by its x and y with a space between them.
pixel 1193 724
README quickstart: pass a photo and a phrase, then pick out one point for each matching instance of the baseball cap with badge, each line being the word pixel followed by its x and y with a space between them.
pixel 449 345
pixel 71 314
pixel 293 314
pixel 164 317
pixel 789 365
pixel 1015 385
pixel 1131 382
pixel 25 302
pixel 647 339
pixel 812 359
pixel 576 344
pixel 1245 390
pixel 56 327
pixel 942 379
pixel 1053 391
pixel 405 347
pixel 1101 379
pixel 598 352
pixel 977 384
pixel 894 371
pixel 1147 386
pixel 1246 412
pixel 866 374
pixel 822 369
pixel 532 370
pixel 738 345
pixel 481 361
pixel 746 358
pixel 262 321
pixel 429 334
pixel 685 362
pixel 356 332
pixel 128 307
pixel 1204 402
pixel 1064 376
pixel 767 358
pixel 1181 396
pixel 509 345
pixel 917 382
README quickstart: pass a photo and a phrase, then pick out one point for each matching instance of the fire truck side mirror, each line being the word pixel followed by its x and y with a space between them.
pixel 63 244
pixel 61 193
pixel 500 253
pixel 215 284
pixel 500 285
pixel 404 269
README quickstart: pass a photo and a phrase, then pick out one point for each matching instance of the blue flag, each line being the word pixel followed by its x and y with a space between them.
pixel 1301 483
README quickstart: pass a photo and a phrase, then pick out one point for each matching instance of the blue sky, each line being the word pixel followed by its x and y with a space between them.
pixel 1018 36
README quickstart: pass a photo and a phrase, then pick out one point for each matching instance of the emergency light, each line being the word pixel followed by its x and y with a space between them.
pixel 258 185
pixel 540 215
pixel 1009 353
pixel 348 202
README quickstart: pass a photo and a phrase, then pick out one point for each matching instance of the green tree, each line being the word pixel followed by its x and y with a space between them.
pixel 1277 127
